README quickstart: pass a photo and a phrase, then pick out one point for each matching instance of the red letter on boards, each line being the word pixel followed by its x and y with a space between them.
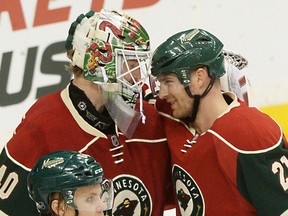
pixel 45 16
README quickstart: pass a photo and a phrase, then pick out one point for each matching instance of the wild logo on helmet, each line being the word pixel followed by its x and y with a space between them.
pixel 52 163
pixel 188 194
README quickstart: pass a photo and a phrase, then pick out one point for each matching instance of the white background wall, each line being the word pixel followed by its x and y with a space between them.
pixel 256 29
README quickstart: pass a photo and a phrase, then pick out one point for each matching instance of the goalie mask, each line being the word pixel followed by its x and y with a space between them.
pixel 78 177
pixel 235 78
pixel 103 44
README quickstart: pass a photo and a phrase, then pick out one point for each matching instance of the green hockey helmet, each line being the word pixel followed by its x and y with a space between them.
pixel 188 50
pixel 64 172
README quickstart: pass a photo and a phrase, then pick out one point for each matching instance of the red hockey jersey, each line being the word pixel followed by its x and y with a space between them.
pixel 140 166
pixel 238 167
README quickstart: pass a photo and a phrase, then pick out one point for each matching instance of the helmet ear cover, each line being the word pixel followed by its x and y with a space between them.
pixel 187 51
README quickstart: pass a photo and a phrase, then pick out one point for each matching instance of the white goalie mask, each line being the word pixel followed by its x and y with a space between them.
pixel 137 64
pixel 235 79
pixel 113 50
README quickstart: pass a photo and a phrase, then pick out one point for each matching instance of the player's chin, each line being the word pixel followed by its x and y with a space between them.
pixel 177 114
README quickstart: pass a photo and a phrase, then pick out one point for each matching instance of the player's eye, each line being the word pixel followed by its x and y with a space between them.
pixel 91 199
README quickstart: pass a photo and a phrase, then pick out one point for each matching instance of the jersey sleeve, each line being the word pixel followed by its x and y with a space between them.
pixel 262 178
pixel 13 188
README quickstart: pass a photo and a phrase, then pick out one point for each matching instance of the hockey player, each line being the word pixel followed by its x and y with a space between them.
pixel 227 158
pixel 69 183
pixel 109 54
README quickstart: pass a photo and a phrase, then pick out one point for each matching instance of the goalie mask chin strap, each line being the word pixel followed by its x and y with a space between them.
pixel 198 97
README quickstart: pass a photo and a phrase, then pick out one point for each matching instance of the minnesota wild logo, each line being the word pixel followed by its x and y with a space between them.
pixel 131 197
pixel 189 196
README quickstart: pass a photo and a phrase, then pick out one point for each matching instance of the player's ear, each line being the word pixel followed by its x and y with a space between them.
pixel 202 74
pixel 58 207
pixel 199 77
